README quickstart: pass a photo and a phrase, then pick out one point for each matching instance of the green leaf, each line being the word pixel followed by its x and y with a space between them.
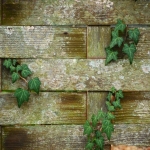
pixel 22 96
pixel 109 96
pixel 34 84
pixel 117 103
pixel 120 26
pixel 129 50
pixel 98 134
pixel 14 62
pixel 119 94
pixel 113 90
pixel 12 68
pixel 15 77
pixel 116 40
pixel 18 68
pixel 110 55
pixel 7 63
pixel 134 35
pixel 94 120
pixel 110 116
pixel 89 145
pixel 109 106
pixel 107 128
pixel 25 71
pixel 100 115
pixel 100 142
pixel 87 128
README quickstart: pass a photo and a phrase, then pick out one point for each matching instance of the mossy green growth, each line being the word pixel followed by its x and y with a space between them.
pixel 22 71
pixel 102 122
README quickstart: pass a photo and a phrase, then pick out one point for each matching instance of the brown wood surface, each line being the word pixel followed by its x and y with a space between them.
pixel 98 38
pixel 135 108
pixel 46 108
pixel 42 42
pixel 85 75
pixel 74 12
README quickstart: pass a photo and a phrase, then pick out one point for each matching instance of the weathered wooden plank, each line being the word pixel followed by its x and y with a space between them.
pixel 0 138
pixel 86 74
pixel 128 147
pixel 95 102
pixel 98 38
pixel 47 108
pixel 42 42
pixel 50 137
pixel 131 134
pixel 74 12
pixel 0 75
pixel 135 108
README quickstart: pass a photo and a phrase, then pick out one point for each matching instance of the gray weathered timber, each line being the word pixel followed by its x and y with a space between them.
pixel 131 134
pixel 0 75
pixel 42 42
pixel 135 108
pixel 95 102
pixel 98 38
pixel 74 12
pixel 46 108
pixel 49 137
pixel 85 74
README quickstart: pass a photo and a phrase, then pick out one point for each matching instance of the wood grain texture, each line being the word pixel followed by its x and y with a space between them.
pixel 131 134
pixel 135 108
pixel 98 38
pixel 50 137
pixel 47 108
pixel 85 74
pixel 74 12
pixel 42 42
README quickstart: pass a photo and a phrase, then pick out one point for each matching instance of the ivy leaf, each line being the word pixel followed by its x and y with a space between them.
pixel 120 26
pixel 89 145
pixel 94 120
pixel 107 128
pixel 116 40
pixel 117 103
pixel 119 94
pixel 109 106
pixel 134 35
pixel 100 115
pixel 100 142
pixel 18 68
pixel 113 90
pixel 25 71
pixel 110 116
pixel 12 68
pixel 98 134
pixel 15 77
pixel 87 128
pixel 111 55
pixel 129 50
pixel 14 61
pixel 7 63
pixel 34 84
pixel 109 96
pixel 22 96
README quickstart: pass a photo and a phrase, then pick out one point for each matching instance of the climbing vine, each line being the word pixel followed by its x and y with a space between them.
pixel 123 40
pixel 22 71
pixel 102 122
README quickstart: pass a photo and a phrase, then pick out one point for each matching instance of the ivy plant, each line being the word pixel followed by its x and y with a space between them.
pixel 122 40
pixel 22 71
pixel 101 123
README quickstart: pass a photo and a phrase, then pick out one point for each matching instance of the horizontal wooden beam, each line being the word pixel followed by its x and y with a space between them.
pixel 42 42
pixel 85 75
pixel 79 12
pixel 47 108
pixel 98 38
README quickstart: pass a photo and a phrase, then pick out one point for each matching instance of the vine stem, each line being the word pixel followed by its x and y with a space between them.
pixel 23 79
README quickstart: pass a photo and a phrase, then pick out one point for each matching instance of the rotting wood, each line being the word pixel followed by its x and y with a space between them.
pixel 135 108
pixel 98 38
pixel 79 12
pixel 46 108
pixel 85 75
pixel 42 42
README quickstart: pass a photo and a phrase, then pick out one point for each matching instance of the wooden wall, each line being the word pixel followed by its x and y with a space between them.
pixel 63 43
